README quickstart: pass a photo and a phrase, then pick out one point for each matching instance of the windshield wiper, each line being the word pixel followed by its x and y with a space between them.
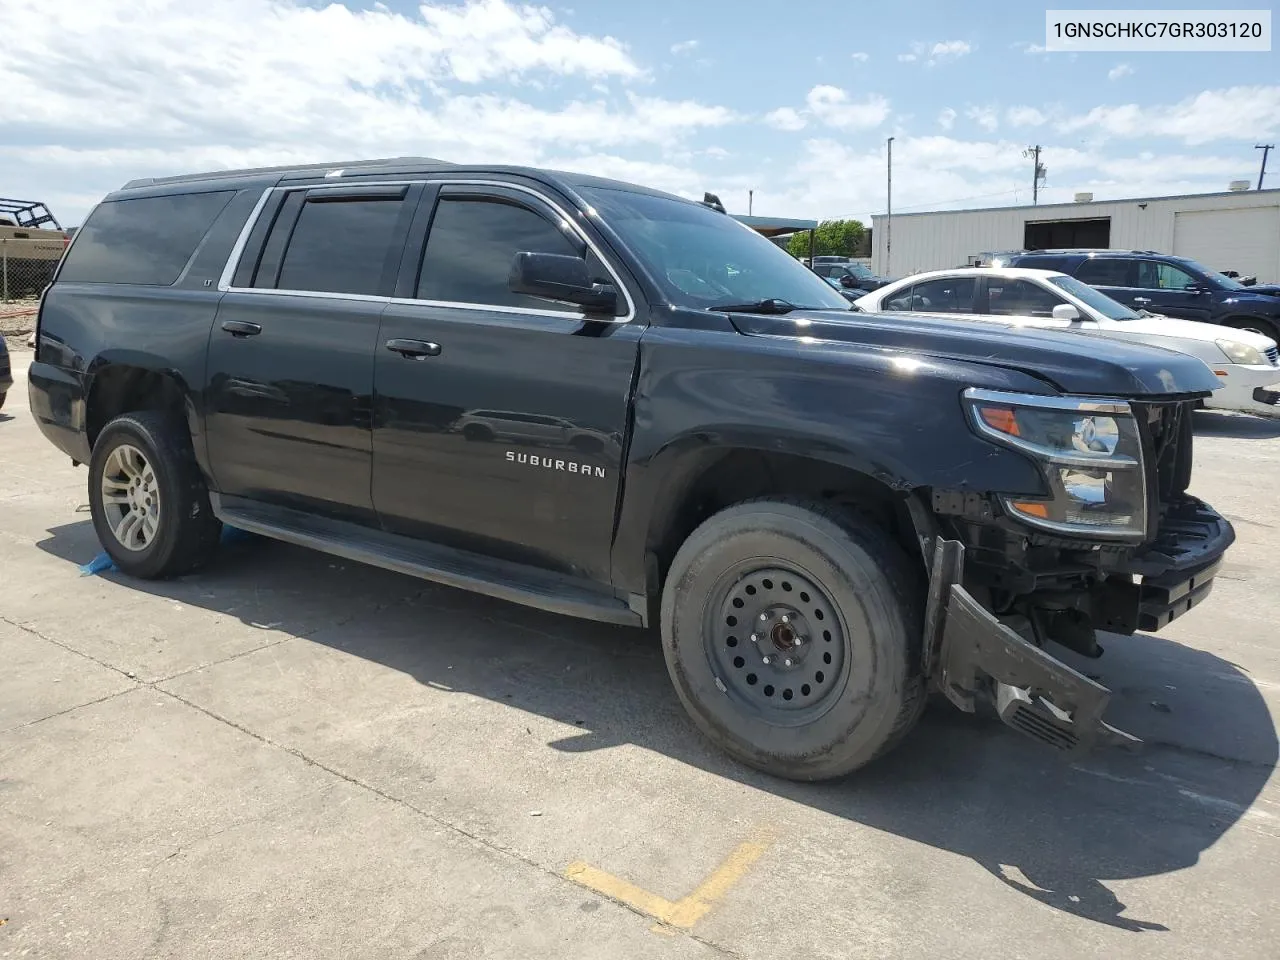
pixel 771 305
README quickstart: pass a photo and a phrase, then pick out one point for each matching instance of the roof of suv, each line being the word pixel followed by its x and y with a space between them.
pixel 1092 252
pixel 388 166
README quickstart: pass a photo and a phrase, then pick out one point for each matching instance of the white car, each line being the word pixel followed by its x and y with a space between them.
pixel 1247 364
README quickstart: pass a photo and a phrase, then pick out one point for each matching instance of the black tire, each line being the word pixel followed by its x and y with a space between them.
pixel 871 592
pixel 187 532
pixel 3 395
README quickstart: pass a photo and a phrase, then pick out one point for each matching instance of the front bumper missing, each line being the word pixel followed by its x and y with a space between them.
pixel 1034 693
pixel 973 655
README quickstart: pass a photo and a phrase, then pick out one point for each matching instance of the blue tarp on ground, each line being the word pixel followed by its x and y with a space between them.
pixel 104 562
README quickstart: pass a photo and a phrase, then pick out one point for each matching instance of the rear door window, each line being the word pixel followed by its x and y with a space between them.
pixel 944 295
pixel 1105 272
pixel 145 240
pixel 340 245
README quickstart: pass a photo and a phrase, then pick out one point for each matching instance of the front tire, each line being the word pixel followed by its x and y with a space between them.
pixel 148 499
pixel 791 633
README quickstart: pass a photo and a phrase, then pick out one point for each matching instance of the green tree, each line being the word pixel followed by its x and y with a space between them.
pixel 833 238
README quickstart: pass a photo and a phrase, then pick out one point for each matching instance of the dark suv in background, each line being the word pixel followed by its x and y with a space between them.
pixel 849 274
pixel 1169 285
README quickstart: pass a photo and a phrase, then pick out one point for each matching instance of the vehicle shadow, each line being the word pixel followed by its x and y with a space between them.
pixel 964 784
pixel 1215 423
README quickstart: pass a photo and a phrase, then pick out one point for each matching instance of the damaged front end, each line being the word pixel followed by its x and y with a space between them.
pixel 1002 589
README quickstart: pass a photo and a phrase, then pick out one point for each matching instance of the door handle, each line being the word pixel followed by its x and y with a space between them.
pixel 1141 299
pixel 414 349
pixel 241 328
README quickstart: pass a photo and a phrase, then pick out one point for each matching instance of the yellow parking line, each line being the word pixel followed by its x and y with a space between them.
pixel 684 913
pixel 621 890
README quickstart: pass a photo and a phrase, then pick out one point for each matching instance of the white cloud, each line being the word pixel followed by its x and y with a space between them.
pixel 986 117
pixel 832 106
pixel 948 50
pixel 107 92
pixel 1031 48
pixel 1024 117
pixel 1207 116
pixel 785 118
pixel 860 56
pixel 946 118
pixel 944 51
pixel 1120 70
pixel 684 46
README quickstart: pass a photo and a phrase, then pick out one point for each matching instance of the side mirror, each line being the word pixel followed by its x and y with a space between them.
pixel 558 277
pixel 847 281
pixel 1066 311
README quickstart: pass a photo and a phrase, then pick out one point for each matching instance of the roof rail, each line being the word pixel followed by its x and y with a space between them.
pixel 287 168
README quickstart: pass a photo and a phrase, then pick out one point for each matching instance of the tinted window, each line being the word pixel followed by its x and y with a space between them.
pixel 1020 298
pixel 944 295
pixel 472 246
pixel 1162 276
pixel 340 246
pixel 1104 272
pixel 148 240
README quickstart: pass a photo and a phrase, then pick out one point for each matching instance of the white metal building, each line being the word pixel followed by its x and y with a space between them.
pixel 1237 230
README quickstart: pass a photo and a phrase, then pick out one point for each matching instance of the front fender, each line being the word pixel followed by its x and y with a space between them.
pixel 895 419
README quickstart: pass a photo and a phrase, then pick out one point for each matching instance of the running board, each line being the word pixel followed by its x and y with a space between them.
pixel 502 579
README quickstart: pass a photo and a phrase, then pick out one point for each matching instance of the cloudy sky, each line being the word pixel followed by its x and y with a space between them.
pixel 793 101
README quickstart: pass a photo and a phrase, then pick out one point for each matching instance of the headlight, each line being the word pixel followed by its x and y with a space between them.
pixel 1241 353
pixel 1089 450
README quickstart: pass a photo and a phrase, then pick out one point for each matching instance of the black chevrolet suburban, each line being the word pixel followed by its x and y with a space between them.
pixel 613 403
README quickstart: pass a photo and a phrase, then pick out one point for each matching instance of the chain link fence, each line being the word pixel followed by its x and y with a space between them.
pixel 26 267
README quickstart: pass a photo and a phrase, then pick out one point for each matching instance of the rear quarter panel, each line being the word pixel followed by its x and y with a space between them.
pixel 85 327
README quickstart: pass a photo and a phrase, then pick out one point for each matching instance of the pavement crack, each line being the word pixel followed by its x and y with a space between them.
pixel 27 628
pixel 72 709
pixel 467 835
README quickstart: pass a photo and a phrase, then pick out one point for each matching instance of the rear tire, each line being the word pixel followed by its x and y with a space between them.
pixel 152 512
pixel 813 710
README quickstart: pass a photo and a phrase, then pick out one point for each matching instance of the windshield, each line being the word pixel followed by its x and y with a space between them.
pixel 1216 278
pixel 704 259
pixel 859 270
pixel 1096 299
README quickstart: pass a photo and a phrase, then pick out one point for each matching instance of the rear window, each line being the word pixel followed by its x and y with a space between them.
pixel 145 241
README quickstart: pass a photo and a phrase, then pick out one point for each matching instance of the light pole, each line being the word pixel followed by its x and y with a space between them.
pixel 1265 148
pixel 888 219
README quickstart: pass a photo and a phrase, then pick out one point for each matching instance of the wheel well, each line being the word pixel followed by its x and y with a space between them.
pixel 1257 322
pixel 739 475
pixel 121 389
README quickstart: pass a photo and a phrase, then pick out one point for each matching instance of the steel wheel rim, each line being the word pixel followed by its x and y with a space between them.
pixel 793 670
pixel 130 498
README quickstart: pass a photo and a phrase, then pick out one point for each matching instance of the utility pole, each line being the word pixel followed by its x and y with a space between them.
pixel 1037 173
pixel 751 195
pixel 888 220
pixel 1265 148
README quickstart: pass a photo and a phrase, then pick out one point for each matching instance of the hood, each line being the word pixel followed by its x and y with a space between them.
pixel 1162 326
pixel 1265 296
pixel 1072 364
